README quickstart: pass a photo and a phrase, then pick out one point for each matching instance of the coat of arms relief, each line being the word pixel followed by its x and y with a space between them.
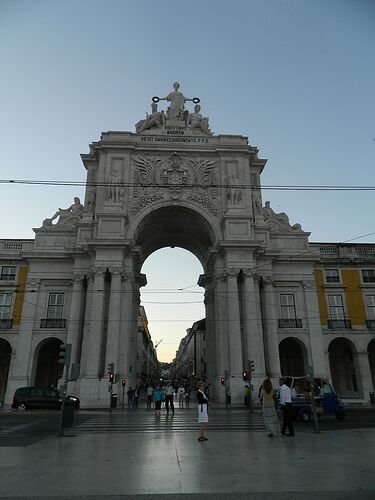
pixel 175 178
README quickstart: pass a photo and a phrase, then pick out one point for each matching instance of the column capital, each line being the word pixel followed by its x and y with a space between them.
pixel 90 276
pixel 99 271
pixel 33 283
pixel 267 280
pixel 78 278
pixel 116 271
pixel 219 276
pixel 232 272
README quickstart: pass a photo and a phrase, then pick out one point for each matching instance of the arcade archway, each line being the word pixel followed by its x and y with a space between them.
pixel 48 371
pixel 371 359
pixel 344 368
pixel 5 356
pixel 292 358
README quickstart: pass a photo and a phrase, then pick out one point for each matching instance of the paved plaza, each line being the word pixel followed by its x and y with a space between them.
pixel 160 463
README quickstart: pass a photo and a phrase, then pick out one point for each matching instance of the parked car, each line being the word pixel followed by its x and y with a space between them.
pixel 38 397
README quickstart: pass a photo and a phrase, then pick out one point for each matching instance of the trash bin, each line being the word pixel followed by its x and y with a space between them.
pixel 114 401
pixel 372 398
pixel 68 414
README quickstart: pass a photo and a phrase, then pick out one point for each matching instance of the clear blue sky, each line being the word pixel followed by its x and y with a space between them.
pixel 295 76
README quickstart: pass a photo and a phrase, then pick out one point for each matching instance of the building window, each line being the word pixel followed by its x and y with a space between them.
pixel 54 312
pixel 55 305
pixel 336 312
pixel 332 276
pixel 5 305
pixel 288 308
pixel 370 304
pixel 288 312
pixel 368 275
pixel 8 273
pixel 5 310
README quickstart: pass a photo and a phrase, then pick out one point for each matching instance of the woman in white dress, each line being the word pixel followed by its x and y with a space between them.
pixel 202 400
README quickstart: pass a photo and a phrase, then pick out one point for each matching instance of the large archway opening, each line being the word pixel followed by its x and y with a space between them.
pixel 344 368
pixel 174 303
pixel 5 356
pixel 48 371
pixel 175 248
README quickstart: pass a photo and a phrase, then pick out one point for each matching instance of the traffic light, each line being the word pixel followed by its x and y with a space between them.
pixel 245 376
pixel 251 365
pixel 64 354
pixel 123 382
pixel 110 368
pixel 222 381
pixel 111 377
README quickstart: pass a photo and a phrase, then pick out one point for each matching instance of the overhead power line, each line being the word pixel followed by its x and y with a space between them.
pixel 276 187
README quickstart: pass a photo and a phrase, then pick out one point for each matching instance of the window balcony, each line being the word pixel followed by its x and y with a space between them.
pixel 339 324
pixel 6 324
pixel 53 323
pixel 290 323
pixel 370 324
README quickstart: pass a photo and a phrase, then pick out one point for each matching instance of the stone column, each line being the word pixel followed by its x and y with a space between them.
pixel 365 372
pixel 270 331
pixel 20 375
pixel 114 319
pixel 210 333
pixel 253 327
pixel 318 358
pixel 221 334
pixel 127 321
pixel 235 345
pixel 96 325
pixel 74 321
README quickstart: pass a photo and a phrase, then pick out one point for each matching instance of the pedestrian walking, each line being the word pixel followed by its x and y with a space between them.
pixel 202 400
pixel 270 419
pixel 187 396
pixel 158 398
pixel 136 395
pixel 130 394
pixel 181 396
pixel 149 395
pixel 246 395
pixel 285 395
pixel 169 397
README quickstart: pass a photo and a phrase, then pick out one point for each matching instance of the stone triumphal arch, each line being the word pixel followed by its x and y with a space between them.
pixel 171 183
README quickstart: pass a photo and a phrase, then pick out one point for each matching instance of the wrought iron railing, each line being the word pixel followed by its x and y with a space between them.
pixel 6 324
pixel 339 323
pixel 53 323
pixel 290 323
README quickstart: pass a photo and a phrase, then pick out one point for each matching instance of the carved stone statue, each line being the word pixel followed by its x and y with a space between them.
pixel 234 194
pixel 154 120
pixel 90 202
pixel 278 221
pixel 177 103
pixel 67 216
pixel 197 122
pixel 115 192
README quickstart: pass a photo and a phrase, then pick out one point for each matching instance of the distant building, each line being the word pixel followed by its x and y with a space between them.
pixel 190 363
